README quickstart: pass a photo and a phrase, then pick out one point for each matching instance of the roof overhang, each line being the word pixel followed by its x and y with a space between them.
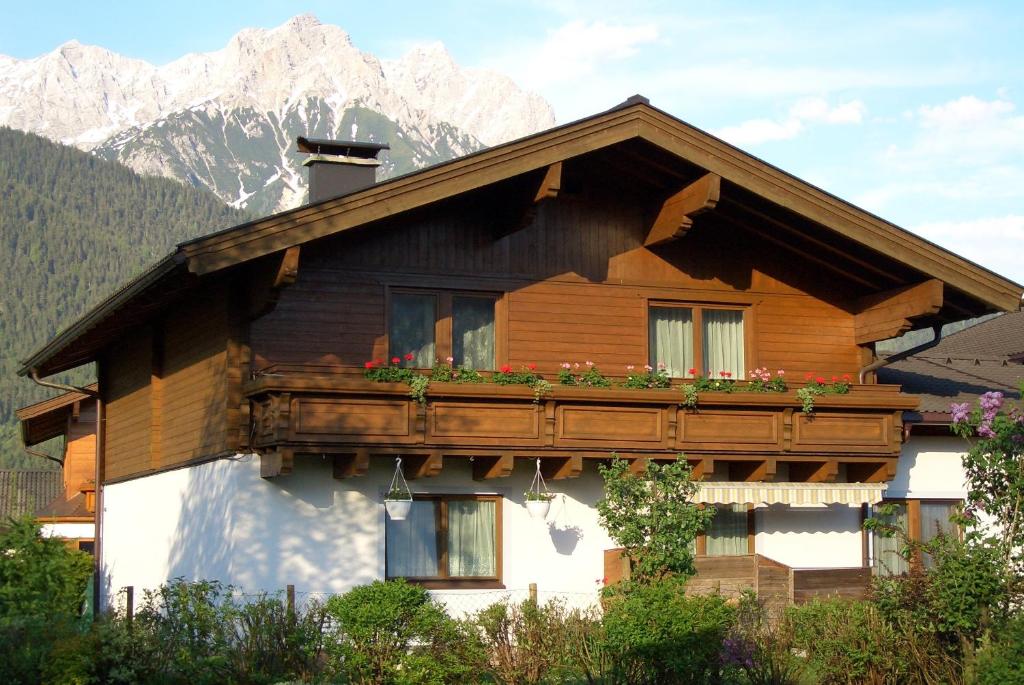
pixel 49 418
pixel 635 120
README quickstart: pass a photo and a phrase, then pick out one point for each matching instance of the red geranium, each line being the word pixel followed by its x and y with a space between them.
pixel 692 372
pixel 409 356
pixel 368 365
pixel 506 368
pixel 531 367
pixel 396 360
pixel 819 379
pixel 809 375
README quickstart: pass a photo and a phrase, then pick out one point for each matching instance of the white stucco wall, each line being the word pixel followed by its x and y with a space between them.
pixel 813 536
pixel 930 467
pixel 220 520
pixel 68 530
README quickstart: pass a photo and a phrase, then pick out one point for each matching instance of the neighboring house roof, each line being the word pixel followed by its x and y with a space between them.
pixel 25 492
pixel 64 509
pixel 49 418
pixel 673 151
pixel 963 366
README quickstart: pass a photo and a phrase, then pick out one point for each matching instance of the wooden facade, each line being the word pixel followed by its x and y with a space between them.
pixel 255 338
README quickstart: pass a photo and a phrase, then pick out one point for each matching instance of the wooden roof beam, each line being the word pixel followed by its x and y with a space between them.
pixel 548 188
pixel 271 279
pixel 676 214
pixel 886 315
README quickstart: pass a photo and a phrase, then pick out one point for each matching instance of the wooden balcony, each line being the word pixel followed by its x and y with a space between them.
pixel 754 432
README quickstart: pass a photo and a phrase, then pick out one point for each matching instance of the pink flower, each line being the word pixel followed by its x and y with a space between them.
pixel 630 367
pixel 590 363
pixel 576 365
pixel 450 360
pixel 648 367
pixel 566 365
pixel 661 365
pixel 780 372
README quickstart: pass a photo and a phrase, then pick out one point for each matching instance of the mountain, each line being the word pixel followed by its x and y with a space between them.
pixel 73 227
pixel 226 121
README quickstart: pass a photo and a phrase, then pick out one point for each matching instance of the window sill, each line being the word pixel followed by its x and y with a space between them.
pixel 456 583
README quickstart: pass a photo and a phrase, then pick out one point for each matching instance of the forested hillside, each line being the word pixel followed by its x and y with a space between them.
pixel 73 228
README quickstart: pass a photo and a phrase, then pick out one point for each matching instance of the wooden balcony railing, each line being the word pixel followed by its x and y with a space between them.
pixel 294 413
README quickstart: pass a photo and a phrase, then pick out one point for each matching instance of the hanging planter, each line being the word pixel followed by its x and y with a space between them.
pixel 538 499
pixel 398 500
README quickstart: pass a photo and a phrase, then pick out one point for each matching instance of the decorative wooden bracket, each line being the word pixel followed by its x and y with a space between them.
pixel 277 463
pixel 886 315
pixel 871 472
pixel 701 468
pixel 281 272
pixel 422 465
pixel 559 468
pixel 485 468
pixel 752 471
pixel 351 465
pixel 676 214
pixel 548 189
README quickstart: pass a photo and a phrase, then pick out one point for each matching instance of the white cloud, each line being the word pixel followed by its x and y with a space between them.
pixel 575 50
pixel 996 243
pixel 803 112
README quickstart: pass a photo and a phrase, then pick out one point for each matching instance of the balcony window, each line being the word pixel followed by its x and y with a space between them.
pixel 922 521
pixel 446 540
pixel 934 522
pixel 694 337
pixel 433 325
pixel 888 560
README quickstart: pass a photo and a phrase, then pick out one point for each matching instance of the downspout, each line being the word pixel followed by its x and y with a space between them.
pixel 879 363
pixel 34 374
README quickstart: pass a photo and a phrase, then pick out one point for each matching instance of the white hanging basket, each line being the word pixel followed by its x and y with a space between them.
pixel 398 509
pixel 538 508
pixel 538 499
pixel 398 500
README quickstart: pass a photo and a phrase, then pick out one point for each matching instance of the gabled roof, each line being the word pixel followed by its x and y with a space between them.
pixel 963 366
pixel 634 120
pixel 49 418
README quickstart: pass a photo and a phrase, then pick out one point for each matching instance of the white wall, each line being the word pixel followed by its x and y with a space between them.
pixel 68 530
pixel 220 520
pixel 812 536
pixel 930 467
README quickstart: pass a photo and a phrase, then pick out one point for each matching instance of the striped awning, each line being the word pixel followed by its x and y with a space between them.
pixel 790 493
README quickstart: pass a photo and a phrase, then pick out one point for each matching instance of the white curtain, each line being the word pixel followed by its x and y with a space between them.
pixel 670 333
pixel 411 328
pixel 935 521
pixel 473 332
pixel 727 534
pixel 471 538
pixel 411 545
pixel 886 550
pixel 723 342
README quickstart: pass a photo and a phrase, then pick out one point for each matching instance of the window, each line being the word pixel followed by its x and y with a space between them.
pixel 922 520
pixel 728 533
pixel 436 325
pixel 446 539
pixel 704 338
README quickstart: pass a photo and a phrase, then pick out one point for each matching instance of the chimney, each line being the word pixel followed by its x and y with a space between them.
pixel 339 167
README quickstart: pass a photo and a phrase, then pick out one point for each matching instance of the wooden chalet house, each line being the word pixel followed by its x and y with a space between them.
pixel 239 438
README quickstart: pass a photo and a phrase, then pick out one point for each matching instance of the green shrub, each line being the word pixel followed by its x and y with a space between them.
pixel 1002 661
pixel 655 634
pixel 393 632
pixel 759 648
pixel 525 643
pixel 849 642
pixel 42 592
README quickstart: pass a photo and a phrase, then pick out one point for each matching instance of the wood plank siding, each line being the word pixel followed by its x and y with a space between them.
pixel 577 283
pixel 166 390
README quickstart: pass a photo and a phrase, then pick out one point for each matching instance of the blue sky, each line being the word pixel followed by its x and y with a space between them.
pixel 912 110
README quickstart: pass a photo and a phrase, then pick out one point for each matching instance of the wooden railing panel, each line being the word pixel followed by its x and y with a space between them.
pixel 851 583
pixel 350 419
pixel 481 423
pixel 843 432
pixel 723 429
pixel 585 425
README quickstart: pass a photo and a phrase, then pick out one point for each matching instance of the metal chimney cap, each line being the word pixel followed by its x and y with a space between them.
pixel 341 148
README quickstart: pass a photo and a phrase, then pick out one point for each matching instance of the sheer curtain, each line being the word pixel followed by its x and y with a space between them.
pixel 670 333
pixel 473 332
pixel 887 558
pixel 411 327
pixel 727 534
pixel 471 538
pixel 723 342
pixel 411 545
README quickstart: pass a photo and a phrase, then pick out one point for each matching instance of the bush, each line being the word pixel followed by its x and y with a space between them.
pixel 849 642
pixel 655 634
pixel 1002 661
pixel 759 646
pixel 42 592
pixel 393 632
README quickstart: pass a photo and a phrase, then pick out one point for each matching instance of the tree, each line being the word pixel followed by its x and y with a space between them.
pixel 652 515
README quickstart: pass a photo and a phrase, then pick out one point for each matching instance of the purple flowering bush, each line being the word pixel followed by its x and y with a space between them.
pixel 994 465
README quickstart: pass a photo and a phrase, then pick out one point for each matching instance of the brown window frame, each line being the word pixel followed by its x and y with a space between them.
pixel 697 309
pixel 443 343
pixel 702 540
pixel 443 580
pixel 913 506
